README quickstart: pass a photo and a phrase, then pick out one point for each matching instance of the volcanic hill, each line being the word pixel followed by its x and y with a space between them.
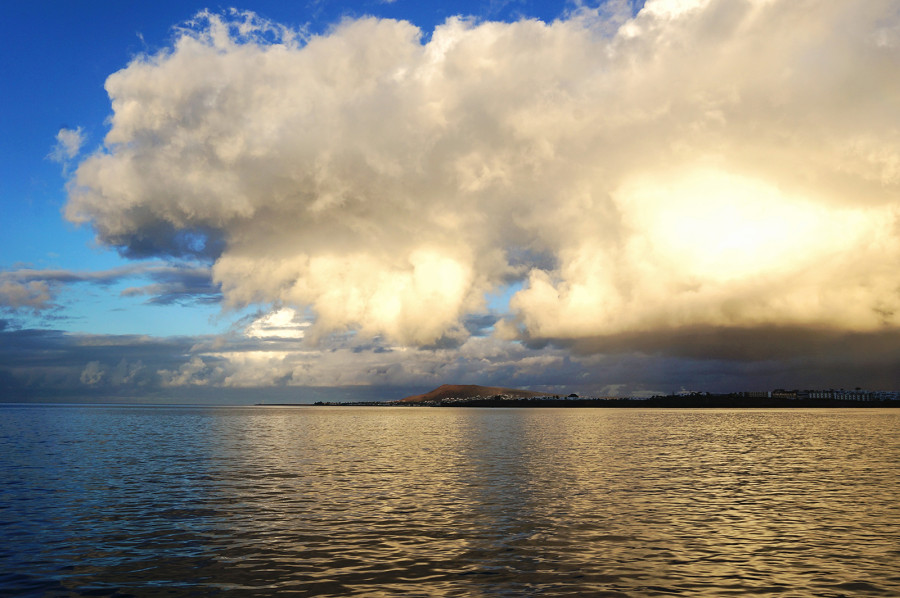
pixel 469 391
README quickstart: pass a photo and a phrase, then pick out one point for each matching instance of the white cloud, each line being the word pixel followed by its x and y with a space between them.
pixel 671 9
pixel 68 144
pixel 282 323
pixel 705 163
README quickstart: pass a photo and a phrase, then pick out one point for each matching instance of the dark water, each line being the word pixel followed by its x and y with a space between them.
pixel 259 501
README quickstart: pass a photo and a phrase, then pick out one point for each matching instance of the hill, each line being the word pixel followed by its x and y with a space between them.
pixel 469 391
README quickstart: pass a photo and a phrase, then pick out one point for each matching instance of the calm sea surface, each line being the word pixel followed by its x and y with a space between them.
pixel 330 501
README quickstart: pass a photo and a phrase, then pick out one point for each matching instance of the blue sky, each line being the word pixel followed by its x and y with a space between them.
pixel 58 55
pixel 311 197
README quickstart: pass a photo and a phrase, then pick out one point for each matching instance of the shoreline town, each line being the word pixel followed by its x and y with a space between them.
pixel 469 396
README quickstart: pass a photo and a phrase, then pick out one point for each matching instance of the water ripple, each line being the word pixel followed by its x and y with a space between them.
pixel 122 501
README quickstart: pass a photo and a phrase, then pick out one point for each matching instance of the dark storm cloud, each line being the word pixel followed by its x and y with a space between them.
pixel 747 344
pixel 725 359
pixel 51 362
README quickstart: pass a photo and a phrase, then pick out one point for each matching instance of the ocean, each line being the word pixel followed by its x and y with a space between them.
pixel 382 501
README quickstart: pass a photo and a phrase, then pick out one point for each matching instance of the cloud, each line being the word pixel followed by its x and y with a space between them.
pixel 33 294
pixel 245 361
pixel 48 364
pixel 68 144
pixel 702 164
pixel 177 284
pixel 38 290
pixel 282 323
pixel 92 373
pixel 196 372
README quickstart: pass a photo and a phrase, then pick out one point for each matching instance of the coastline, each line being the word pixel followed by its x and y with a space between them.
pixel 671 402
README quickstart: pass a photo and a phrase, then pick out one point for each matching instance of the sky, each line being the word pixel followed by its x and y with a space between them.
pixel 330 200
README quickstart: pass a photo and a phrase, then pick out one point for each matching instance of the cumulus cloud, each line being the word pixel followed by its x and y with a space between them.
pixel 92 373
pixel 195 372
pixel 121 374
pixel 707 163
pixel 68 144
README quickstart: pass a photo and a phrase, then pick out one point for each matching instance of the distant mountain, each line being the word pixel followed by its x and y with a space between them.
pixel 469 391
